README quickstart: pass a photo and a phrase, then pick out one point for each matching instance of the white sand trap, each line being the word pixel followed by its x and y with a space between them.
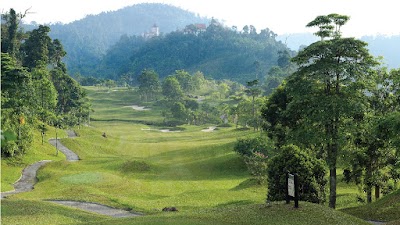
pixel 209 129
pixel 169 131
pixel 161 130
pixel 138 108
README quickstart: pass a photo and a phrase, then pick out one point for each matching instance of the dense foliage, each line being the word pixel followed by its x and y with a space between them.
pixel 311 173
pixel 334 104
pixel 221 52
pixel 255 152
pixel 88 39
pixel 249 146
pixel 36 91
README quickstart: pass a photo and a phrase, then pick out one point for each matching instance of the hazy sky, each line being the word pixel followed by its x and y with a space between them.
pixel 368 17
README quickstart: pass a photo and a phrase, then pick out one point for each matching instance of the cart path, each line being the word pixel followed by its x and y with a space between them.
pixel 70 155
pixel 97 208
pixel 27 179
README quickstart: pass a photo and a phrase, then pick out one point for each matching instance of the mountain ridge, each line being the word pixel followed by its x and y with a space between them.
pixel 87 40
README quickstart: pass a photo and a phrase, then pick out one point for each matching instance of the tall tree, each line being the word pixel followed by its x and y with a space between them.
pixel 56 54
pixel 374 151
pixel 185 80
pixel 253 91
pixel 9 42
pixel 149 84
pixel 171 89
pixel 17 94
pixel 36 48
pixel 330 78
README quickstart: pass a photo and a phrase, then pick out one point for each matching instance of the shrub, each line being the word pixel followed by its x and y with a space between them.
pixel 310 171
pixel 249 146
pixel 255 154
pixel 257 166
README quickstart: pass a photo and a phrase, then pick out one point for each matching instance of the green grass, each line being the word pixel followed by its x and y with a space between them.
pixel 395 222
pixel 11 168
pixel 385 209
pixel 39 212
pixel 146 170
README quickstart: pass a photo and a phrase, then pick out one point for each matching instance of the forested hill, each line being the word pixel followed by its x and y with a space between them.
pixel 88 39
pixel 218 51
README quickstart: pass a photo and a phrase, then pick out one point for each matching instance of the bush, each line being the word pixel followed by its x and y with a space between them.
pixel 310 171
pixel 255 153
pixel 257 166
pixel 249 146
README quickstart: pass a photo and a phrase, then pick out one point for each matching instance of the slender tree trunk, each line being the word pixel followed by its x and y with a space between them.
pixel 368 183
pixel 332 131
pixel 332 187
pixel 332 158
pixel 369 193
pixel 377 192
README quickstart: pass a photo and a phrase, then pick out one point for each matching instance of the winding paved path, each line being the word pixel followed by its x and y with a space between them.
pixel 97 208
pixel 28 180
pixel 70 155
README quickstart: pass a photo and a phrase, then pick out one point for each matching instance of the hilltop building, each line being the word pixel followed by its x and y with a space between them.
pixel 195 29
pixel 154 32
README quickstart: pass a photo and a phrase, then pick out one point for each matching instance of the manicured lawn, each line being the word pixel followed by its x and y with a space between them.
pixel 11 168
pixel 139 168
pixel 40 212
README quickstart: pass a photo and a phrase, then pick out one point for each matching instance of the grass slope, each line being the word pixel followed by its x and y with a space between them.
pixel 11 168
pixel 28 212
pixel 146 170
pixel 39 212
pixel 277 214
pixel 385 209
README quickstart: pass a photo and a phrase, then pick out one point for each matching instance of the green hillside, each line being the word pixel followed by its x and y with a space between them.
pixel 385 209
pixel 217 51
pixel 88 39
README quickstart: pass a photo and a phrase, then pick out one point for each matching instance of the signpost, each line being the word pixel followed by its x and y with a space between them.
pixel 292 189
pixel 291 185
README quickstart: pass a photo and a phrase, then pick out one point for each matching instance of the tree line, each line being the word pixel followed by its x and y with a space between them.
pixel 339 107
pixel 219 51
pixel 36 90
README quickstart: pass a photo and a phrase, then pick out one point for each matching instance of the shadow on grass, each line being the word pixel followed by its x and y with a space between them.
pixel 249 183
pixel 236 203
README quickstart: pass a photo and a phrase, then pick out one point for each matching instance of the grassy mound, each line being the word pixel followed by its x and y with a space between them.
pixel 132 166
pixel 385 209
pixel 276 213
pixel 39 212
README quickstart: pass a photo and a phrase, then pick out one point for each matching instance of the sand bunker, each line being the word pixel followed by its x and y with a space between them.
pixel 209 129
pixel 138 108
pixel 161 130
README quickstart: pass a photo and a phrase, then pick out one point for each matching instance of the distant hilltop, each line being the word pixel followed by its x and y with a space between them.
pixel 88 39
pixel 154 32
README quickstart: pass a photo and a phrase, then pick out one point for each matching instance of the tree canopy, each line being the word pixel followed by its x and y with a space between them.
pixel 35 88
